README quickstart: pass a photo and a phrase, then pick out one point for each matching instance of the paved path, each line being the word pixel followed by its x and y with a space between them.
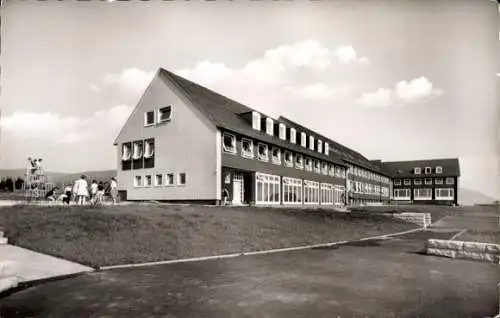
pixel 386 278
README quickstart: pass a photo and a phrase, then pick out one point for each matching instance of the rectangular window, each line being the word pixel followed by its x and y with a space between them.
pixel 256 120
pixel 327 194
pixel 327 149
pixel 158 180
pixel 407 182
pixel 288 159
pixel 299 161
pixel 149 118
pixel 422 194
pixel 317 166
pixel 320 146
pixel 126 151
pixel 324 168
pixel 282 132
pixel 308 164
pixel 438 181
pixel 418 170
pixel 164 114
pixel 247 148
pixel 331 170
pixel 397 182
pixel 149 148
pixel 311 192
pixel 311 142
pixel 267 189
pixel 276 156
pixel 417 182
pixel 338 173
pixel 439 170
pixel 170 179
pixel 229 143
pixel 182 179
pixel 262 152
pixel 428 181
pixel 292 191
pixel 444 194
pixel 137 154
pixel 293 135
pixel 450 181
pixel 138 181
pixel 269 126
pixel 428 170
pixel 148 181
pixel 402 194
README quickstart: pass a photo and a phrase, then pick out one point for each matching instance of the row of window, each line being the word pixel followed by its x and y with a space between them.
pixel 424 193
pixel 295 191
pixel 367 188
pixel 289 159
pixel 428 170
pixel 160 180
pixel 367 174
pixel 159 116
pixel 138 149
pixel 290 134
pixel 427 181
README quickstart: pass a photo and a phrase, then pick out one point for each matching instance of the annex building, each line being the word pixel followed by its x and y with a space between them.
pixel 186 143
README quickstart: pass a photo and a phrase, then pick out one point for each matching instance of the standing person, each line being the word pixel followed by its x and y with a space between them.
pixel 81 189
pixel 113 187
pixel 100 193
pixel 225 196
pixel 93 191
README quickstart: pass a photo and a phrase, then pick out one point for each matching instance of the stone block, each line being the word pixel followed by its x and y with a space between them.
pixel 492 248
pixel 441 252
pixel 474 247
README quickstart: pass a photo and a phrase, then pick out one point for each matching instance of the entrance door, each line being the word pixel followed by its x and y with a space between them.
pixel 238 188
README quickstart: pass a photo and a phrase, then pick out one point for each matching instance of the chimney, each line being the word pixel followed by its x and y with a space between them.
pixel 255 120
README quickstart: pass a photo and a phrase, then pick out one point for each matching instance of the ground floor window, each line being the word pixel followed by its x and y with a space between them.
pixel 326 193
pixel 402 194
pixel 444 194
pixel 267 188
pixel 338 195
pixel 292 191
pixel 422 194
pixel 311 192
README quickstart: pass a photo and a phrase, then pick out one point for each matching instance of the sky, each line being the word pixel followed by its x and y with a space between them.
pixel 394 80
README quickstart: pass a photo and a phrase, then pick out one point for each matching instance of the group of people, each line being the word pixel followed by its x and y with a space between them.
pixel 80 191
pixel 36 165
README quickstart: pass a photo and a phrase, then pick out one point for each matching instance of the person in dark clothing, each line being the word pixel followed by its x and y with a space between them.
pixel 99 194
pixel 225 196
pixel 50 195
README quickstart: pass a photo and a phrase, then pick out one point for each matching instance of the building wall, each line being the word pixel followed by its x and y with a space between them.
pixel 185 144
pixel 433 186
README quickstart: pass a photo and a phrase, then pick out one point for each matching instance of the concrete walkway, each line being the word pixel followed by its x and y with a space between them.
pixel 21 265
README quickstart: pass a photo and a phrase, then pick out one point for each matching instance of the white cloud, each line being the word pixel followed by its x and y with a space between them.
pixel 317 91
pixel 94 87
pixel 497 74
pixel 404 92
pixel 131 79
pixel 346 54
pixel 58 129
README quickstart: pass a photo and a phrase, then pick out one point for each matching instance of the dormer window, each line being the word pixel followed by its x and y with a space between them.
pixel 324 168
pixel 229 143
pixel 299 161
pixel 282 131
pixel 149 118
pixel 137 150
pixel 276 156
pixel 327 149
pixel 439 170
pixel 256 120
pixel 247 148
pixel 126 151
pixel 417 170
pixel 263 154
pixel 308 164
pixel 293 135
pixel 303 139
pixel 428 170
pixel 269 126
pixel 164 114
pixel 320 146
pixel 311 142
pixel 288 159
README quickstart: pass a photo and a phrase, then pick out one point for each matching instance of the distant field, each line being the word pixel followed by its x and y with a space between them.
pixel 144 233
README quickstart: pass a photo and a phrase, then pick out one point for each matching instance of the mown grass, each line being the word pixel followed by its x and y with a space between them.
pixel 111 235
pixel 482 236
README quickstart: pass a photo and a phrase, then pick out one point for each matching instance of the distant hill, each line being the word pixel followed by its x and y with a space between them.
pixel 470 197
pixel 61 177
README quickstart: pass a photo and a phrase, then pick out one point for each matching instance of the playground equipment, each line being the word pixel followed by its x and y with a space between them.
pixel 36 184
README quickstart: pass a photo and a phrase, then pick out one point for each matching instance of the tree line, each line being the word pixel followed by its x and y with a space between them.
pixel 10 184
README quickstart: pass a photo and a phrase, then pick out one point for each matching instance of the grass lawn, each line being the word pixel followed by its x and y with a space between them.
pixel 142 233
pixel 483 236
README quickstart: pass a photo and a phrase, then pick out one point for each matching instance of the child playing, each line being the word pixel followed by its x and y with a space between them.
pixel 99 193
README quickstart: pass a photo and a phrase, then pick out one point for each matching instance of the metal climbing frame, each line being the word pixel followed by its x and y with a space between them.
pixel 36 184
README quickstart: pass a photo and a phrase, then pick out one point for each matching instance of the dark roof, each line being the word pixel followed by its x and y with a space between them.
pixel 402 169
pixel 226 113
pixel 336 149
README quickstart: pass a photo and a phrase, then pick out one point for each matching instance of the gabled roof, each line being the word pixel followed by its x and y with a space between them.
pixel 226 113
pixel 402 169
pixel 336 149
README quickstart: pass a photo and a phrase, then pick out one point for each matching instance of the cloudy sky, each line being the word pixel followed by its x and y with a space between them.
pixel 395 80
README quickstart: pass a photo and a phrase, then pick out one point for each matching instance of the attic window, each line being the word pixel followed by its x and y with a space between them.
pixel 164 114
pixel 149 118
pixel 269 126
pixel 320 146
pixel 311 142
pixel 293 135
pixel 263 154
pixel 276 156
pixel 303 139
pixel 418 171
pixel 256 120
pixel 439 169
pixel 229 143
pixel 428 170
pixel 282 131
pixel 327 149
pixel 247 148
